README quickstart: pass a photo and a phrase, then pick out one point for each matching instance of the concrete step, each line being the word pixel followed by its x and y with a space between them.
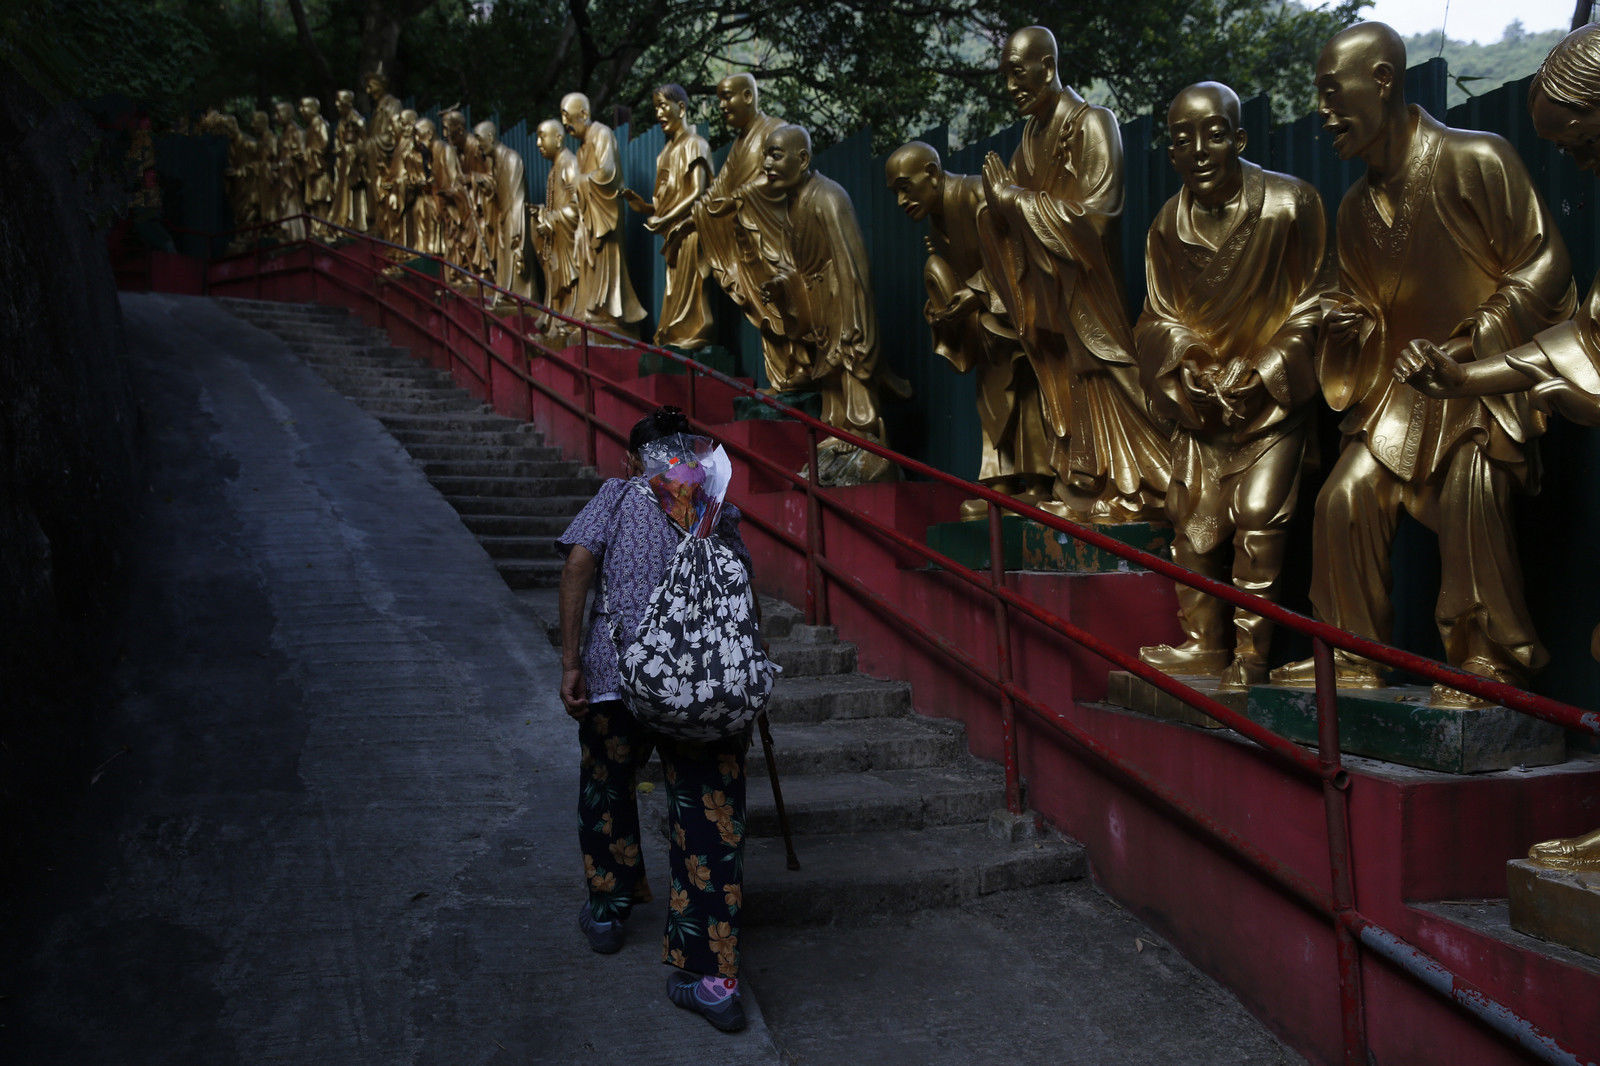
pixel 778 618
pixel 501 468
pixel 400 392
pixel 401 373
pixel 522 451
pixel 517 487
pixel 566 506
pixel 797 700
pixel 480 420
pixel 810 659
pixel 874 800
pixel 361 362
pixel 275 309
pixel 531 573
pixel 843 876
pixel 519 547
pixel 431 405
pixel 862 744
pixel 516 525
pixel 483 438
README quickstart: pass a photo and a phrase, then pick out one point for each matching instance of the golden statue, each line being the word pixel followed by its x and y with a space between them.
pixel 683 174
pixel 1016 444
pixel 1419 259
pixel 289 171
pixel 556 223
pixel 388 126
pixel 458 189
pixel 352 204
pixel 236 174
pixel 1050 250
pixel 314 168
pixel 414 173
pixel 741 224
pixel 1234 271
pixel 826 304
pixel 605 295
pixel 509 224
pixel 262 171
pixel 389 134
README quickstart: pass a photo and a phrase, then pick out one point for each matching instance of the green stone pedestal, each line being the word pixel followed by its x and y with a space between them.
pixel 1398 725
pixel 1561 906
pixel 1027 545
pixel 745 408
pixel 713 355
pixel 1136 694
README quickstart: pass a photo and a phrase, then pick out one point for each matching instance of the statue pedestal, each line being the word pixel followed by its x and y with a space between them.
pixel 1136 694
pixel 713 355
pixel 1027 545
pixel 1561 906
pixel 1398 725
pixel 745 408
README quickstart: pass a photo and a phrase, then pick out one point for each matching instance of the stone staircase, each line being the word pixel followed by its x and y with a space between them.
pixel 888 810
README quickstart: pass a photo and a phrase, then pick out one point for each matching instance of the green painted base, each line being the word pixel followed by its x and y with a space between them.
pixel 713 355
pixel 745 409
pixel 1398 725
pixel 423 265
pixel 1138 695
pixel 1028 545
pixel 1561 906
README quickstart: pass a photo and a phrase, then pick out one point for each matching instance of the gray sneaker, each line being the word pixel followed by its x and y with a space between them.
pixel 726 1014
pixel 604 937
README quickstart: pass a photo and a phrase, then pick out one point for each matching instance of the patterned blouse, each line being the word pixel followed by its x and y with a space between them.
pixel 632 538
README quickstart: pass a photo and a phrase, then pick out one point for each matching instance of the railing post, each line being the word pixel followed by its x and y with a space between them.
pixel 1335 802
pixel 258 266
pixel 588 402
pixel 488 356
pixel 1002 640
pixel 694 377
pixel 816 590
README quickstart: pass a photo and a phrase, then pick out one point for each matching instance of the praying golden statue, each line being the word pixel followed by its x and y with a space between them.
pixel 826 299
pixel 605 295
pixel 1016 443
pixel 683 174
pixel 1444 239
pixel 1234 271
pixel 509 221
pixel 741 224
pixel 352 204
pixel 317 181
pixel 556 223
pixel 1050 250
pixel 289 171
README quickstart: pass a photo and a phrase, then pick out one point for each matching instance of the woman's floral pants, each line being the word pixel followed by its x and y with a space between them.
pixel 704 786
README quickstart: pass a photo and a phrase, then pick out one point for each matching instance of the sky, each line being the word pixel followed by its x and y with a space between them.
pixel 1470 20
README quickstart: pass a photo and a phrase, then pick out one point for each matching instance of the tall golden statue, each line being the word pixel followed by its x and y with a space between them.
pixel 458 189
pixel 387 125
pixel 826 299
pixel 263 169
pixel 289 172
pixel 605 295
pixel 683 174
pixel 389 135
pixel 236 173
pixel 352 203
pixel 1444 239
pixel 412 178
pixel 1016 443
pixel 1560 367
pixel 510 222
pixel 314 165
pixel 1234 271
pixel 741 224
pixel 1050 249
pixel 556 224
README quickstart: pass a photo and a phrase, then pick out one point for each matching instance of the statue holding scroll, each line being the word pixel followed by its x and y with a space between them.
pixel 556 224
pixel 605 295
pixel 1444 239
pixel 1050 250
pixel 1234 270
pixel 314 165
pixel 683 174
pixel 1016 444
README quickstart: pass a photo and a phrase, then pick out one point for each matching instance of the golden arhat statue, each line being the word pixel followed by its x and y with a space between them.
pixel 556 224
pixel 605 295
pixel 510 221
pixel 352 182
pixel 1474 276
pixel 1233 266
pixel 1049 249
pixel 317 179
pixel 1017 446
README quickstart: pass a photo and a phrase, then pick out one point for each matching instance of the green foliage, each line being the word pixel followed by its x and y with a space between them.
pixel 1477 68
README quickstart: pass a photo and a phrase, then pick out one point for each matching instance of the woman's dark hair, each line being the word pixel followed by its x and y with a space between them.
pixel 662 422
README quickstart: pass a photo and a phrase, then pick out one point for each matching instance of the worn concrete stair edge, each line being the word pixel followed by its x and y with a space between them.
pixel 844 876
pixel 873 800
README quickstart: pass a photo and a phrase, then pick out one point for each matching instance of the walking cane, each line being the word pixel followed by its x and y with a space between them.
pixel 777 790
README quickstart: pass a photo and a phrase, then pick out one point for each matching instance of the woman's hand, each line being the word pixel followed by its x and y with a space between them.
pixel 574 696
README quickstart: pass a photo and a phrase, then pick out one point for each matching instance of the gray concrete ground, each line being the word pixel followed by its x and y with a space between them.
pixel 334 824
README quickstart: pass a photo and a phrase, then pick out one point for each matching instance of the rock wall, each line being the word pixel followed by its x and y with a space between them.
pixel 67 456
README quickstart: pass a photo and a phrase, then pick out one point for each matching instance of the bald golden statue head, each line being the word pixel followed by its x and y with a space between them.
pixel 1204 126
pixel 310 108
pixel 575 114
pixel 377 84
pixel 1028 64
pixel 486 133
pixel 1564 99
pixel 1361 87
pixel 422 132
pixel 283 110
pixel 915 175
pixel 549 138
pixel 738 100
pixel 786 158
pixel 453 124
pixel 344 102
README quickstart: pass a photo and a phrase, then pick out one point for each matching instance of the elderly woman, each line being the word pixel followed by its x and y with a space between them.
pixel 624 538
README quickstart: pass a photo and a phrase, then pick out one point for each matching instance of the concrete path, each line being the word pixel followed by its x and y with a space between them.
pixel 334 823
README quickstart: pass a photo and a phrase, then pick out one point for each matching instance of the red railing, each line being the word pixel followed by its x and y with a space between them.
pixel 1336 903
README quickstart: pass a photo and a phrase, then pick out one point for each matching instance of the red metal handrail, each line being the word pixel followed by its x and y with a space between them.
pixel 1351 928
